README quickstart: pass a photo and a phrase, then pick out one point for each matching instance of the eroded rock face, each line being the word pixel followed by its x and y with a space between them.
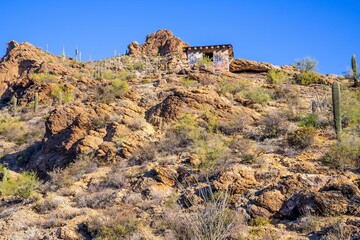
pixel 244 65
pixel 162 42
pixel 20 61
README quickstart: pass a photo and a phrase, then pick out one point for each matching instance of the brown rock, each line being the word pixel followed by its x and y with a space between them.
pixel 243 65
pixel 256 211
pixel 271 200
pixel 239 179
pixel 166 175
pixel 162 43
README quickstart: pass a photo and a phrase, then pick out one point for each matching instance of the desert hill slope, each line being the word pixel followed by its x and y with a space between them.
pixel 143 146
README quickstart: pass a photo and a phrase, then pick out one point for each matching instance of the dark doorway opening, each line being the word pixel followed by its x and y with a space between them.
pixel 209 55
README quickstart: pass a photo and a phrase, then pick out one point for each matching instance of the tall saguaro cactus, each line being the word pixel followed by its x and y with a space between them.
pixel 355 71
pixel 336 98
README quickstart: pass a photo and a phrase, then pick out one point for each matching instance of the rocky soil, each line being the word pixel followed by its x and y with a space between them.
pixel 144 147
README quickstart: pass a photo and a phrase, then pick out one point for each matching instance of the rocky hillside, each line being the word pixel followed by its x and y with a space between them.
pixel 142 146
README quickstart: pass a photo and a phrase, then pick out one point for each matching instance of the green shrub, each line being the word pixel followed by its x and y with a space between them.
pixel 119 87
pixel 309 120
pixel 20 186
pixel 211 152
pixel 230 86
pixel 138 66
pixel 306 64
pixel 187 82
pixel 125 75
pixel 259 221
pixel 345 153
pixel 257 95
pixel 62 93
pixel 276 76
pixel 301 138
pixel 205 61
pixel 350 108
pixel 108 75
pixel 12 129
pixel 307 78
pixel 43 78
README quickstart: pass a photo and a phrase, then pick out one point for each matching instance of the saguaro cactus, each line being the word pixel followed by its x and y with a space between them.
pixel 36 102
pixel 336 98
pixel 355 71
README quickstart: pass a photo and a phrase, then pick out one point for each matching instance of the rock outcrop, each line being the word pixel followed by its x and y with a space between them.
pixel 244 65
pixel 160 43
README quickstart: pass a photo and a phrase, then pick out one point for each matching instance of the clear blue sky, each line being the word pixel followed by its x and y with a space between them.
pixel 276 31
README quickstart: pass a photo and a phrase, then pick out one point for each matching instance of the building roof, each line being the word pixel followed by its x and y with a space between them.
pixel 212 48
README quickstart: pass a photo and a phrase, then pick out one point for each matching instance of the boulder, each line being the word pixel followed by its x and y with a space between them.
pixel 244 65
pixel 160 43
pixel 166 175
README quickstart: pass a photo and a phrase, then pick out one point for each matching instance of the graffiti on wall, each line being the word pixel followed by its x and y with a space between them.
pixel 194 57
pixel 220 58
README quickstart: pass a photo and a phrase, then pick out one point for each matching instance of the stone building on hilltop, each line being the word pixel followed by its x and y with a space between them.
pixel 219 55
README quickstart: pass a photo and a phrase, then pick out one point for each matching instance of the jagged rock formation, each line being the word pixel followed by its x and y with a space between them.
pixel 160 43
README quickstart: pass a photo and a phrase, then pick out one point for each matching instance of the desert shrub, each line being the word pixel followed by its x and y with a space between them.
pixel 309 120
pixel 212 152
pixel 276 76
pixel 47 205
pixel 116 177
pixel 187 82
pixel 301 138
pixel 213 220
pixel 138 66
pixel 186 130
pixel 12 129
pixel 114 224
pixel 230 86
pixel 258 221
pixel 247 148
pixel 257 95
pixel 306 64
pixel 74 172
pixel 205 61
pixel 142 155
pixel 345 153
pixel 137 124
pixel 235 124
pixel 125 75
pixel 307 78
pixel 212 121
pixel 62 93
pixel 100 199
pixel 42 78
pixel 108 75
pixel 350 105
pixel 119 87
pixel 21 186
pixel 272 126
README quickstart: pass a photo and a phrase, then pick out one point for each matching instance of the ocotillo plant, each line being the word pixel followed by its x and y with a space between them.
pixel 355 72
pixel 336 97
pixel 14 101
pixel 36 102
